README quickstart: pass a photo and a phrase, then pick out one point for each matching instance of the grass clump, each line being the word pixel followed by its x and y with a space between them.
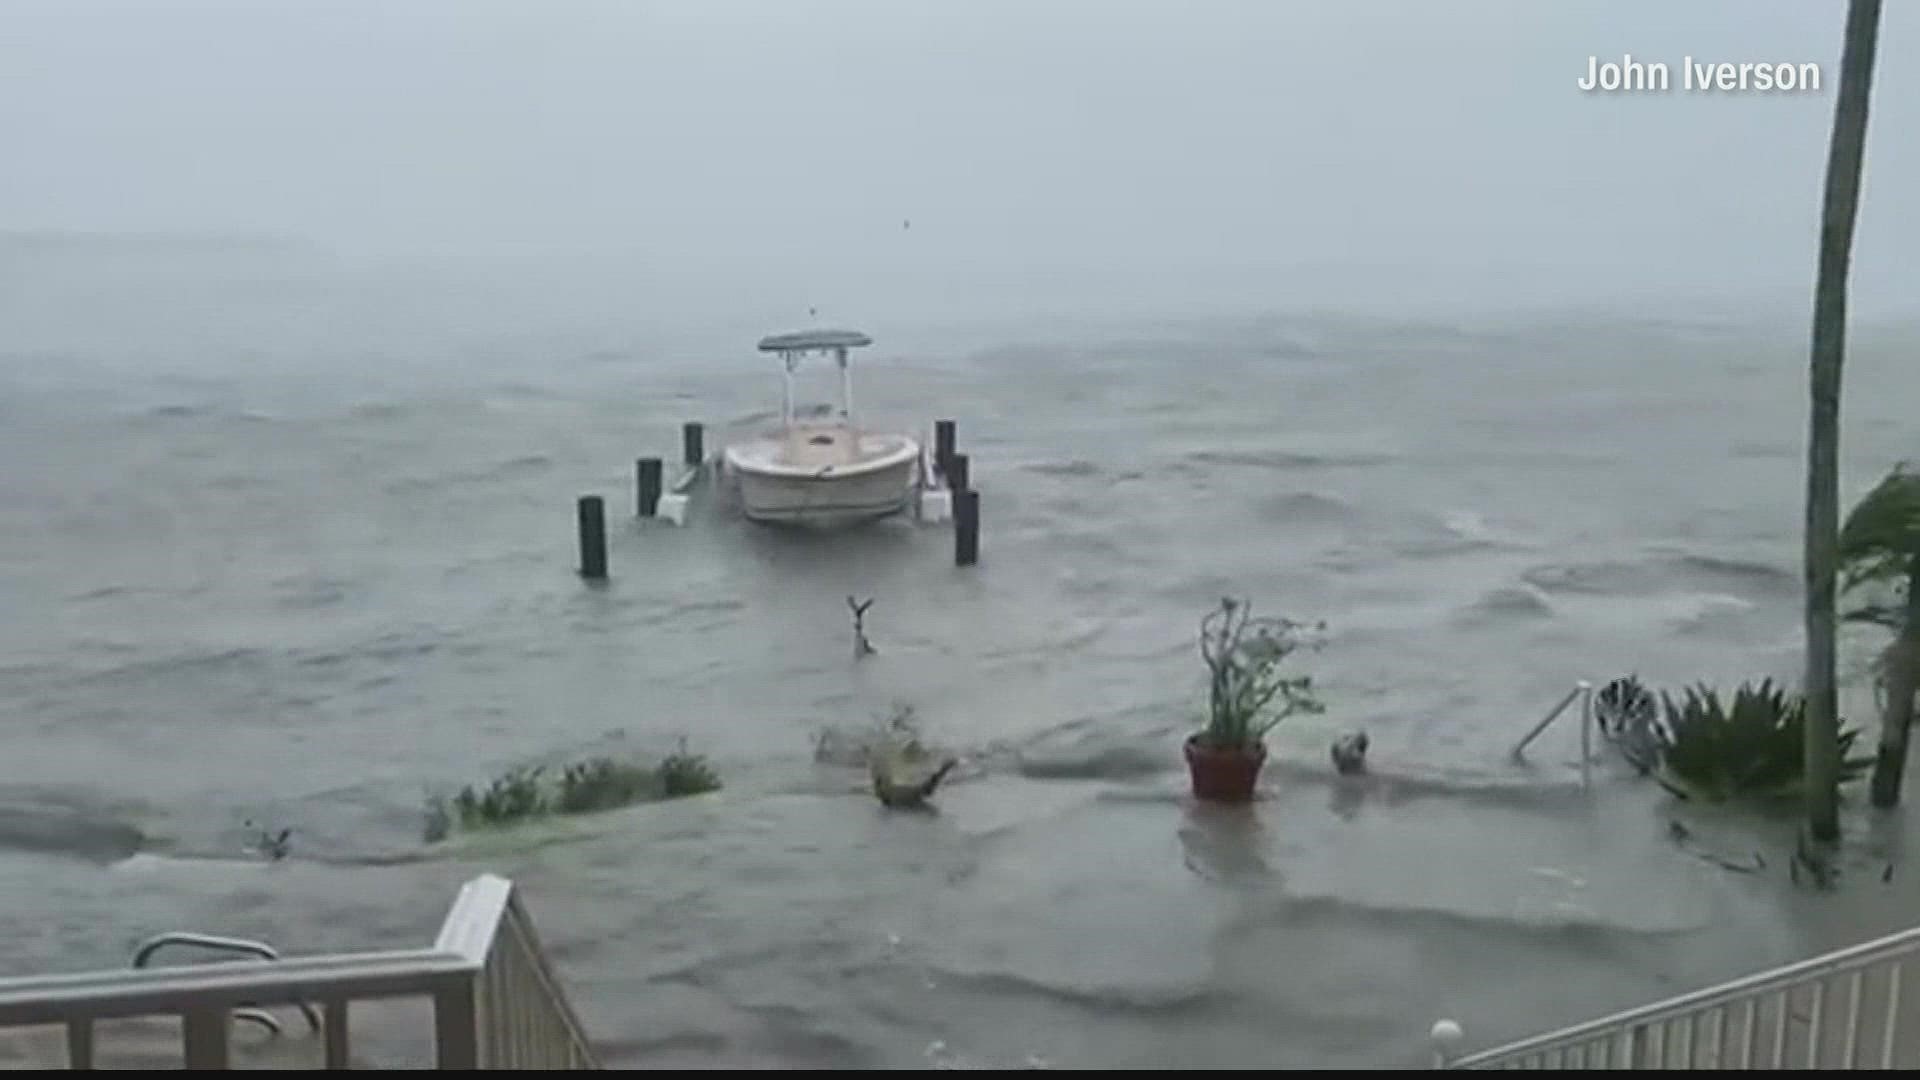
pixel 525 793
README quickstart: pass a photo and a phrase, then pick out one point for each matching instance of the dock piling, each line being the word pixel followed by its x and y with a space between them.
pixel 648 474
pixel 943 434
pixel 958 468
pixel 966 527
pixel 593 538
pixel 693 437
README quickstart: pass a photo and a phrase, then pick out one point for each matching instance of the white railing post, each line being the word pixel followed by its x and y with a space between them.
pixel 339 1053
pixel 206 1038
pixel 1445 1036
pixel 1585 689
pixel 456 1026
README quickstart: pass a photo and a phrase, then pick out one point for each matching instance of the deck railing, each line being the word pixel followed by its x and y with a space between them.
pixel 1841 1010
pixel 497 1003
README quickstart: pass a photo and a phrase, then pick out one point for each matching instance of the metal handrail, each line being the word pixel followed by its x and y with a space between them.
pixel 258 949
pixel 154 944
pixel 1583 690
pixel 1642 1033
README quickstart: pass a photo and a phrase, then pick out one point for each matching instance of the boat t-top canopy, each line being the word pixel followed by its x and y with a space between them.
pixel 814 341
pixel 794 345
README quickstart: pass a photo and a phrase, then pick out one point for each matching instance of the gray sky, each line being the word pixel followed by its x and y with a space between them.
pixel 1015 134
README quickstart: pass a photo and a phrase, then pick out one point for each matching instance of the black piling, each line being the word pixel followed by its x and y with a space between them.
pixel 943 449
pixel 966 527
pixel 693 440
pixel 957 470
pixel 593 538
pixel 648 472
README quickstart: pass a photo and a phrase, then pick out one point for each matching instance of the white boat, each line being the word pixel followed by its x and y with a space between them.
pixel 822 472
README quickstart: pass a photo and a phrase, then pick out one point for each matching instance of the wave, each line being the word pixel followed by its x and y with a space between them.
pixel 1508 602
pixel 202 411
pixel 307 593
pixel 180 412
pixel 698 607
pixel 196 662
pixel 1596 578
pixel 1663 572
pixel 1471 527
pixel 68 831
pixel 1765 577
pixel 1288 459
pixel 512 468
pixel 384 649
pixel 1305 507
pixel 105 592
pixel 1115 762
pixel 522 391
pixel 1075 468
pixel 1581 933
pixel 1103 1001
pixel 1529 795
pixel 1711 615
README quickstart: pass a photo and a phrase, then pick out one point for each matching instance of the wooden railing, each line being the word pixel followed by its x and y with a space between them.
pixel 1837 1011
pixel 496 1000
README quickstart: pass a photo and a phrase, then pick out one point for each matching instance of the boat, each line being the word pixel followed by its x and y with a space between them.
pixel 822 471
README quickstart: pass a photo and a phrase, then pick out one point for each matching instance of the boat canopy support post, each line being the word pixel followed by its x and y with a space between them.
pixel 846 385
pixel 786 390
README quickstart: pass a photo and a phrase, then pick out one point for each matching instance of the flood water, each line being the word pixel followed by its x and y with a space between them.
pixel 303 555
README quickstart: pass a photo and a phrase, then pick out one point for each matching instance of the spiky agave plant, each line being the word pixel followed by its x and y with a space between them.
pixel 1752 748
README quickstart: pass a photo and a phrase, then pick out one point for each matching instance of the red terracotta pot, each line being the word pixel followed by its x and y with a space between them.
pixel 1224 774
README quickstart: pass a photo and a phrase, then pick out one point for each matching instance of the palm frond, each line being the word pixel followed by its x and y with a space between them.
pixel 1882 531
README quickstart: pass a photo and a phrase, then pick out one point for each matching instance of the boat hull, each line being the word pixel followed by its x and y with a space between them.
pixel 777 487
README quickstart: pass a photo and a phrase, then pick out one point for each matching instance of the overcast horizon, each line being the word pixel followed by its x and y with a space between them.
pixel 876 142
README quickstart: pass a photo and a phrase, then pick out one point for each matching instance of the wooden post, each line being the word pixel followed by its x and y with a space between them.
pixel 966 527
pixel 693 437
pixel 648 473
pixel 958 467
pixel 593 538
pixel 943 448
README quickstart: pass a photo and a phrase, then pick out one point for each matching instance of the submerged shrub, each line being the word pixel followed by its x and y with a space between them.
pixel 582 788
pixel 604 784
pixel 682 773
pixel 1751 748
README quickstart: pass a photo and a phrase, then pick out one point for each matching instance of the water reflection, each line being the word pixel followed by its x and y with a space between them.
pixel 1224 843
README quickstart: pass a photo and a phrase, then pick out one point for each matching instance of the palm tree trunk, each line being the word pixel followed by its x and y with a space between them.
pixel 1842 201
pixel 1903 679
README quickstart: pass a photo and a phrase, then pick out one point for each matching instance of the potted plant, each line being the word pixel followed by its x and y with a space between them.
pixel 1247 695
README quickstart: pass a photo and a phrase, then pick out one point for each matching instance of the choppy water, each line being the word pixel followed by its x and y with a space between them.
pixel 308 584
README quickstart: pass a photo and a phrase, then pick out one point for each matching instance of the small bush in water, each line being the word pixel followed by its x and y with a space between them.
pixel 682 773
pixel 604 784
pixel 583 787
pixel 1753 748
pixel 512 796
